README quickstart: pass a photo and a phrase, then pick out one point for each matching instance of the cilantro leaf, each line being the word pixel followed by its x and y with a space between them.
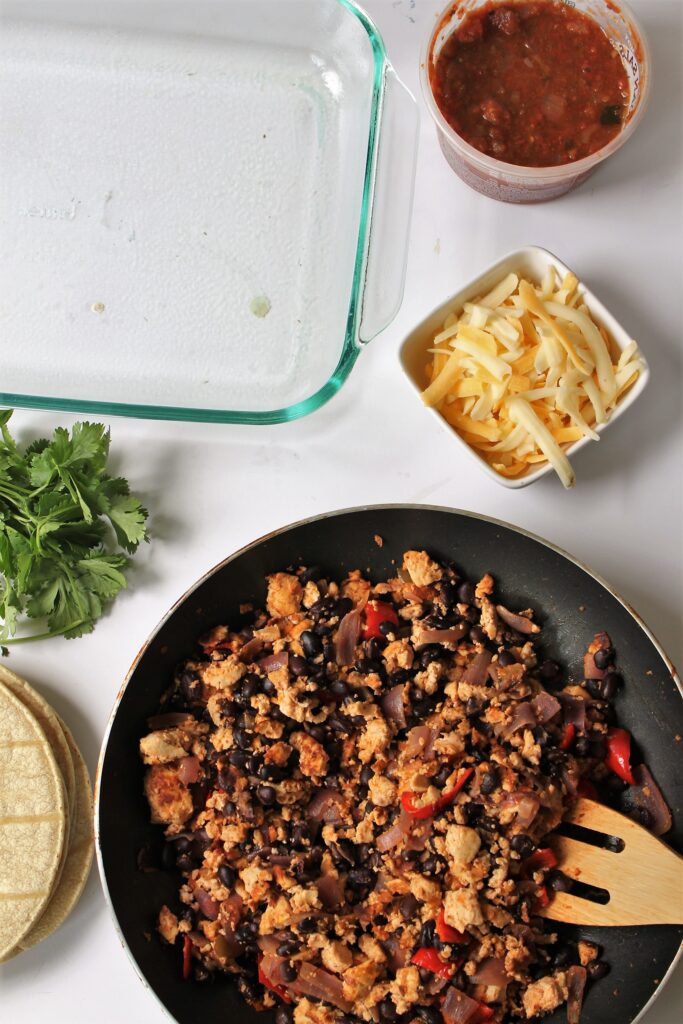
pixel 62 518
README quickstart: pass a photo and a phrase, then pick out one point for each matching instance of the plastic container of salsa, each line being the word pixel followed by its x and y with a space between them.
pixel 511 182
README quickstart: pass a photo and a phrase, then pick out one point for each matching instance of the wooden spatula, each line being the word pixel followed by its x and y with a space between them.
pixel 644 879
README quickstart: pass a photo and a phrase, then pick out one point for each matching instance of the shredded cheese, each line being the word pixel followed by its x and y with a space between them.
pixel 524 372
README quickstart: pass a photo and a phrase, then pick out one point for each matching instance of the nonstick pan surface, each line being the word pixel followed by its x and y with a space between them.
pixel 572 605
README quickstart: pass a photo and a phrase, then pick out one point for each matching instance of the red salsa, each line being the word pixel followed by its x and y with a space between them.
pixel 535 84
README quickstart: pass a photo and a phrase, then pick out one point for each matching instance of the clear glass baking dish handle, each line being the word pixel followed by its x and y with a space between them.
pixel 392 203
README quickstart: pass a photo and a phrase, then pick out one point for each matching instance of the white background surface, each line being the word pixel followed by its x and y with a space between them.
pixel 211 488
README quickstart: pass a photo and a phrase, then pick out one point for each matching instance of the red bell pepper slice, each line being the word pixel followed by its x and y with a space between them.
pixel 618 757
pixel 541 860
pixel 376 612
pixel 428 957
pixel 409 799
pixel 187 959
pixel 278 990
pixel 568 736
pixel 448 934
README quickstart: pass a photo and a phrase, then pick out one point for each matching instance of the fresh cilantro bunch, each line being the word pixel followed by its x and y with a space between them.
pixel 60 512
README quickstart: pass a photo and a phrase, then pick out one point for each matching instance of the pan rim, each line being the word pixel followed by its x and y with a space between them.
pixel 381 507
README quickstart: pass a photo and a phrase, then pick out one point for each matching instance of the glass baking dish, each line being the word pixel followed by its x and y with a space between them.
pixel 204 205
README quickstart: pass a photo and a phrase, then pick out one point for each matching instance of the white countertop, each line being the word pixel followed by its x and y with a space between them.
pixel 211 489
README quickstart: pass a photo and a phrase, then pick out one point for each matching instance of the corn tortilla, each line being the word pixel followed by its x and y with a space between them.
pixel 33 820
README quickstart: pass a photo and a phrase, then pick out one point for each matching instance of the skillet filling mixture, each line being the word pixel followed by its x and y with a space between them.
pixel 357 787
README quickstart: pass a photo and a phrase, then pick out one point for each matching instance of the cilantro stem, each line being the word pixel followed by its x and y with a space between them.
pixel 43 636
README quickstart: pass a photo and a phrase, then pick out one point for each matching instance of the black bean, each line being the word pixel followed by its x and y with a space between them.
pixel 603 657
pixel 227 875
pixel 487 823
pixel 410 855
pixel 558 881
pixel 505 658
pixel 252 765
pixel 185 862
pixel 268 686
pixel 367 665
pixel 266 795
pixel 477 635
pixel 297 665
pixel 442 774
pixel 366 774
pixel 549 671
pixel 429 1014
pixel 466 593
pixel 241 739
pixel 311 644
pixel 270 772
pixel 408 907
pixel 431 653
pixel 168 856
pixel 374 649
pixel 597 969
pixel 329 652
pixel 251 684
pixel 224 778
pixel 432 865
pixel 309 866
pixel 361 878
pixel 473 706
pixel 610 685
pixel 387 628
pixel 288 972
pixel 428 933
pixel 317 732
pixel 283 1015
pixel 387 1010
pixel 245 720
pixel 301 834
pixel 473 812
pixel 289 947
pixel 489 782
pixel 381 920
pixel 339 689
pixel 594 687
pixel 581 746
pixel 522 844
pixel 308 926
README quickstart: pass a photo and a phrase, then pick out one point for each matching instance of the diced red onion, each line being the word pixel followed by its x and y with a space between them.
pixel 574 711
pixel 491 971
pixel 397 955
pixel 526 804
pixel 448 637
pixel 319 984
pixel 518 622
pixel 590 669
pixel 331 891
pixel 576 983
pixel 419 742
pixel 522 718
pixel 251 649
pixel 476 672
pixel 435 984
pixel 458 1008
pixel 188 770
pixel 347 637
pixel 545 706
pixel 226 946
pixel 272 968
pixel 646 795
pixel 268 944
pixel 392 705
pixel 272 662
pixel 419 834
pixel 208 906
pixel 326 806
pixel 398 831
pixel 170 720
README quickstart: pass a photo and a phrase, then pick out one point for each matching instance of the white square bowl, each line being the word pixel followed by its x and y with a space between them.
pixel 532 262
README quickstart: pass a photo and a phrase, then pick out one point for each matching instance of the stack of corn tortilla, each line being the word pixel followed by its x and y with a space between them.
pixel 46 838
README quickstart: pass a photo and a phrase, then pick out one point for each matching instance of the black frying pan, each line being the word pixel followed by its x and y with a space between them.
pixel 574 605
